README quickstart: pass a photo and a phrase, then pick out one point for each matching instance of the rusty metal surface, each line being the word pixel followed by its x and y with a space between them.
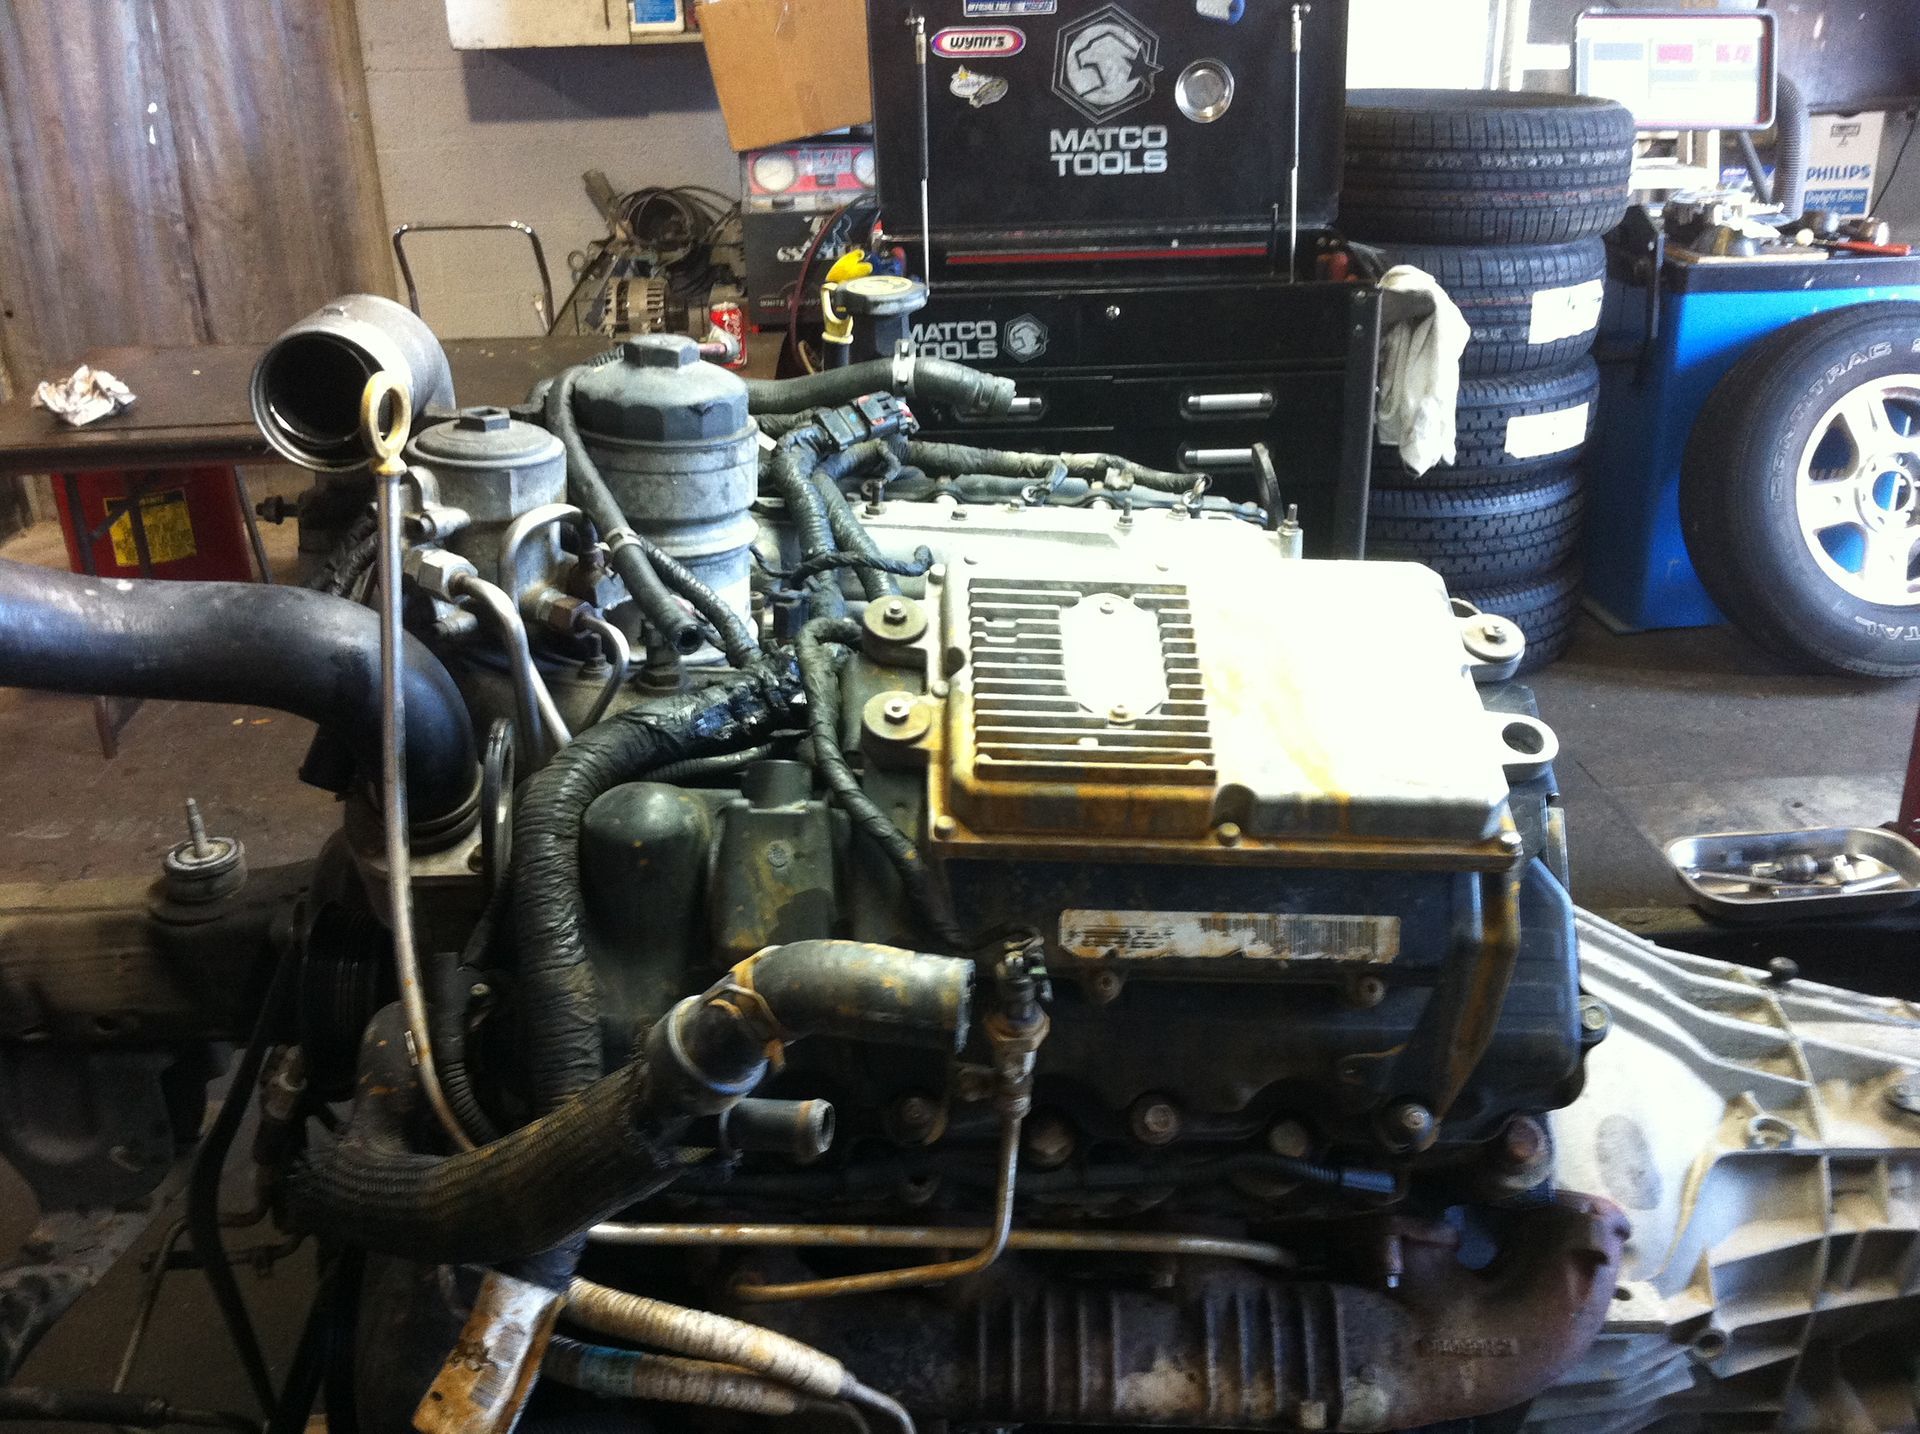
pixel 1225 1347
pixel 67 1254
pixel 491 1369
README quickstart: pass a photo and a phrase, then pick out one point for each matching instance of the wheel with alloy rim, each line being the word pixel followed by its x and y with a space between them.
pixel 1858 490
pixel 1800 492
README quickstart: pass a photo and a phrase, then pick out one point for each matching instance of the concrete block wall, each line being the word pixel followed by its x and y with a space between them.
pixel 506 134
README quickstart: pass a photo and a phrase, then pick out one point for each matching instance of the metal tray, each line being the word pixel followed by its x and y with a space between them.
pixel 1715 867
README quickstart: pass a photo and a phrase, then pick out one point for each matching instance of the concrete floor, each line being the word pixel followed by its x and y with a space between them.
pixel 1662 734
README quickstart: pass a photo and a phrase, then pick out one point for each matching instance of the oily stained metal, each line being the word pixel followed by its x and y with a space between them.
pixel 1226 1347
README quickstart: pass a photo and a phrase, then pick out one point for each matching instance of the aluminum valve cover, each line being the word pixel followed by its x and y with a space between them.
pixel 1212 692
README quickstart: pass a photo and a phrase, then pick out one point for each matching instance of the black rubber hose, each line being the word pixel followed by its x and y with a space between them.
pixel 970 392
pixel 302 652
pixel 1793 144
pixel 287 648
pixel 527 1192
pixel 955 458
pixel 736 638
pixel 27 1403
pixel 819 671
pixel 712 1049
pixel 203 1185
pixel 616 1141
pixel 585 486
pixel 448 1015
pixel 560 1014
pixel 849 533
pixel 790 470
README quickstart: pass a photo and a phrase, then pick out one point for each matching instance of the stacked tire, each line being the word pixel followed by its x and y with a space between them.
pixel 1502 197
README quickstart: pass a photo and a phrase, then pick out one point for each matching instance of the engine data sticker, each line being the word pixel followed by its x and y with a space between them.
pixel 1566 313
pixel 1216 935
pixel 1535 435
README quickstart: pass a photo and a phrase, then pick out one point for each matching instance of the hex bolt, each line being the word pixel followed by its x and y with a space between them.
pixel 915 1117
pixel 1409 1125
pixel 897 710
pixel 1523 1142
pixel 1113 311
pixel 1227 834
pixel 1289 1138
pixel 197 831
pixel 1593 1016
pixel 1049 1140
pixel 894 613
pixel 1156 1121
pixel 1119 712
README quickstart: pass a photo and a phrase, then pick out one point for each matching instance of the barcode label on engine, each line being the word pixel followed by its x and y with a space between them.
pixel 1215 935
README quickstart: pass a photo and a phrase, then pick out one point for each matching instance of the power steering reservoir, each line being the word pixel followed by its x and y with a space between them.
pixel 671 436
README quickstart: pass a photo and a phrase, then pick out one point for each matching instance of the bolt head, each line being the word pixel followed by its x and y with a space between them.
pixel 1413 1118
pixel 1227 834
pixel 1593 1016
pixel 1119 712
pixel 945 826
pixel 897 710
pixel 1289 1138
pixel 894 613
pixel 1156 1122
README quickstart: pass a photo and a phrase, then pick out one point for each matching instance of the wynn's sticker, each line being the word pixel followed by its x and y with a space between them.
pixel 1218 936
pixel 994 9
pixel 1566 313
pixel 1535 435
pixel 967 41
pixel 977 89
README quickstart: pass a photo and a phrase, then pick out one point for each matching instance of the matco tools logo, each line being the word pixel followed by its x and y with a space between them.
pixel 1104 65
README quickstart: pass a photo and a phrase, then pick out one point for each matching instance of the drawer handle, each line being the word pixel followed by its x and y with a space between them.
pixel 1257 401
pixel 1209 460
pixel 1027 405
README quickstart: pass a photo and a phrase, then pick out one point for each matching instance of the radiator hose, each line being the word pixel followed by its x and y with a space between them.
pixel 296 651
pixel 614 1142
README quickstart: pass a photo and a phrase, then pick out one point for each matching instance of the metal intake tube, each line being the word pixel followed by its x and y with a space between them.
pixel 307 386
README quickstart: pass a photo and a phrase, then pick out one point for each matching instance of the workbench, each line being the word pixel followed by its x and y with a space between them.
pixel 191 404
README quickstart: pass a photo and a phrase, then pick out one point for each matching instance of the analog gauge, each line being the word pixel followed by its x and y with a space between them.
pixel 863 167
pixel 774 171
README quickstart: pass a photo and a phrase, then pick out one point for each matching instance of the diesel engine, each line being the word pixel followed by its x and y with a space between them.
pixel 831 925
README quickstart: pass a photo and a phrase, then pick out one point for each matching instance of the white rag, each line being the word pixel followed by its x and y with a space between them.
pixel 1420 370
pixel 89 393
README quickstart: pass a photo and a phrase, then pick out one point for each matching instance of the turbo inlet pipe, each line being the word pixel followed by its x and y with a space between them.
pixel 307 386
pixel 295 651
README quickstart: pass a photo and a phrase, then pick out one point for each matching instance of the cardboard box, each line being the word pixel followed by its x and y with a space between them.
pixel 786 69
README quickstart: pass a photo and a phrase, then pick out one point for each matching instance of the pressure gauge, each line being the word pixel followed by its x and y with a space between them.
pixel 773 171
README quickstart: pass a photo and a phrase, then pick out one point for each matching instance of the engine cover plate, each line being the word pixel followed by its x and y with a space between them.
pixel 1227 699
